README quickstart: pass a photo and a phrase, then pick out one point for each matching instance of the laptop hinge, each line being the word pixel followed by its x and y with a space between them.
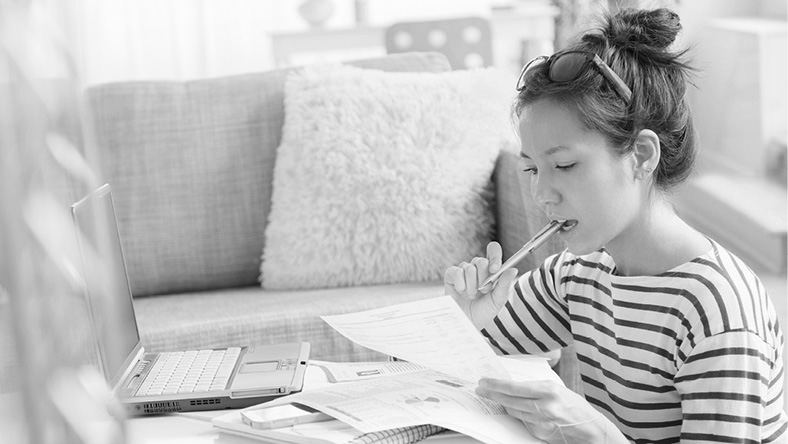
pixel 131 370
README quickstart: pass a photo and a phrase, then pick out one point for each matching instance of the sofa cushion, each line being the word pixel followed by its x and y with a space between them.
pixel 383 177
pixel 191 166
pixel 251 315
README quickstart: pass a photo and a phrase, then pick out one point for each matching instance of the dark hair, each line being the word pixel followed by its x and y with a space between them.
pixel 635 43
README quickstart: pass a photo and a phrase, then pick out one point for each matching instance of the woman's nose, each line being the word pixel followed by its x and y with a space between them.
pixel 544 193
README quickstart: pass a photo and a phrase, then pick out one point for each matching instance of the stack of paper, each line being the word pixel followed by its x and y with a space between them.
pixel 433 334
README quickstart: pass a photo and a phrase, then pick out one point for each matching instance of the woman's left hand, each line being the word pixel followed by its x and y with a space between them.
pixel 550 411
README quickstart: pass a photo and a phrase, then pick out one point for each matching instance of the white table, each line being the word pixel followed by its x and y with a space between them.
pixel 196 428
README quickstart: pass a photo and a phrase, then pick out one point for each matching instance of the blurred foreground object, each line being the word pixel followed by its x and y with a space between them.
pixel 50 389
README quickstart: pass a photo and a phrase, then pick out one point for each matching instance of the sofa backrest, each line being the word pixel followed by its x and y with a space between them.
pixel 191 166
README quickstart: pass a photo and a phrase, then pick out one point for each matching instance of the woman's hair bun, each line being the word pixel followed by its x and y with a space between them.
pixel 657 28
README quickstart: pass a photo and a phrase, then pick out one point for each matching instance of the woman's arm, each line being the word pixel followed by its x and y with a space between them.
pixel 535 319
pixel 552 412
pixel 731 388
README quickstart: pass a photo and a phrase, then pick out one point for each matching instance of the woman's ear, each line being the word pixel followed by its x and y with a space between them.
pixel 646 153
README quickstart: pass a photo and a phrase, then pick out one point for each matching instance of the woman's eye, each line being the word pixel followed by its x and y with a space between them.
pixel 566 167
pixel 531 170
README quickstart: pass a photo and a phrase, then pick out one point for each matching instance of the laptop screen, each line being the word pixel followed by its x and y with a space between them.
pixel 108 291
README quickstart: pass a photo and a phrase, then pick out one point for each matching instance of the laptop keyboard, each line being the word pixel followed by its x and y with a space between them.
pixel 190 371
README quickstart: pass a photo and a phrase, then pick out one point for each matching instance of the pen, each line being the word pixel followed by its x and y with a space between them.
pixel 535 242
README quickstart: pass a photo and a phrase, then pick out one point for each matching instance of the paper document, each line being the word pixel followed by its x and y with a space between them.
pixel 433 333
pixel 354 371
pixel 420 397
pixel 325 432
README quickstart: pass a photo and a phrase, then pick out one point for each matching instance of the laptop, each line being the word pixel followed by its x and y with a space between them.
pixel 152 383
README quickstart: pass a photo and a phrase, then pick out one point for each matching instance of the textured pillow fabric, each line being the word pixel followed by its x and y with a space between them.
pixel 191 165
pixel 383 177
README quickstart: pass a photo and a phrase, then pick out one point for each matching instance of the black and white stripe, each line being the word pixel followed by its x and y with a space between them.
pixel 690 355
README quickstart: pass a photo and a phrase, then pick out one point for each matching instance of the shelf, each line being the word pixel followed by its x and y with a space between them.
pixel 532 28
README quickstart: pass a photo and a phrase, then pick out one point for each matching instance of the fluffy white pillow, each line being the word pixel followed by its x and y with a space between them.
pixel 383 177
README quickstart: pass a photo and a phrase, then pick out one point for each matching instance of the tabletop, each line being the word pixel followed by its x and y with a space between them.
pixel 196 428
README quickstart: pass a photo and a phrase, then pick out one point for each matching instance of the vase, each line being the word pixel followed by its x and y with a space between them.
pixel 316 12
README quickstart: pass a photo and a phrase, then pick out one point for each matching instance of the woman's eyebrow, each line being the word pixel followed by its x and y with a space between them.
pixel 549 152
pixel 555 149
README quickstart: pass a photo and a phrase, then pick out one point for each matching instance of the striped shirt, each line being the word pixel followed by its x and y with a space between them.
pixel 690 355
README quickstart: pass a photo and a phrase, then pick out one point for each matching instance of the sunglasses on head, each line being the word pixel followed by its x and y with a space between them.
pixel 564 67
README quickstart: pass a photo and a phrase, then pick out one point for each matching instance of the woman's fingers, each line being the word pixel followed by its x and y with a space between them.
pixel 547 408
pixel 466 276
pixel 500 291
pixel 454 277
pixel 471 280
pixel 482 270
pixel 522 396
pixel 463 279
pixel 495 256
pixel 530 389
pixel 462 283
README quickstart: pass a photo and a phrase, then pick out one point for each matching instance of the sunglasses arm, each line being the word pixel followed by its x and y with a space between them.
pixel 621 87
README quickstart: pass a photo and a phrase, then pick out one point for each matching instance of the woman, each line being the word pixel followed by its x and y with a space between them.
pixel 676 337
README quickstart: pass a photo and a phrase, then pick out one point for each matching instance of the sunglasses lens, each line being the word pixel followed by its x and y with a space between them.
pixel 567 67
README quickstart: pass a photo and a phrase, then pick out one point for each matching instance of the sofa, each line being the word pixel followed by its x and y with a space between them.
pixel 191 165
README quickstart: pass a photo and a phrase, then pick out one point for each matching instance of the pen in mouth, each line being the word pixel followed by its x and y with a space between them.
pixel 568 225
pixel 538 240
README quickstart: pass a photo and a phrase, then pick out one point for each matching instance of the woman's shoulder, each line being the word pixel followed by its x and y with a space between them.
pixel 717 270
pixel 723 294
pixel 564 266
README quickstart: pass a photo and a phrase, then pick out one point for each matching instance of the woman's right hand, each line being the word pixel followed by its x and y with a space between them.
pixel 462 282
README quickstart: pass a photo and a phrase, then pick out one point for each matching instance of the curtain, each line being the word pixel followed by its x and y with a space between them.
pixel 122 40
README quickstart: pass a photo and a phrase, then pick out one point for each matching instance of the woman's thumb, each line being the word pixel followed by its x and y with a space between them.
pixel 500 293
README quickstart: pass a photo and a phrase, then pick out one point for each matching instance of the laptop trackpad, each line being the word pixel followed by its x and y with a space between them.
pixel 262 377
pixel 259 367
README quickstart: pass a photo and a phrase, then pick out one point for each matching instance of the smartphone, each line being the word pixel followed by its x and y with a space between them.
pixel 262 417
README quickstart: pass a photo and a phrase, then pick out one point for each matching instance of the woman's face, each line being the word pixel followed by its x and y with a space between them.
pixel 576 176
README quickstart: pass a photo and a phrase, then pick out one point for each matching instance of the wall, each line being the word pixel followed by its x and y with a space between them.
pixel 739 195
pixel 740 49
pixel 694 13
pixel 186 39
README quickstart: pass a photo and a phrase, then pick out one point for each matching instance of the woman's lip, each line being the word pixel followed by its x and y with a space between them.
pixel 568 225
